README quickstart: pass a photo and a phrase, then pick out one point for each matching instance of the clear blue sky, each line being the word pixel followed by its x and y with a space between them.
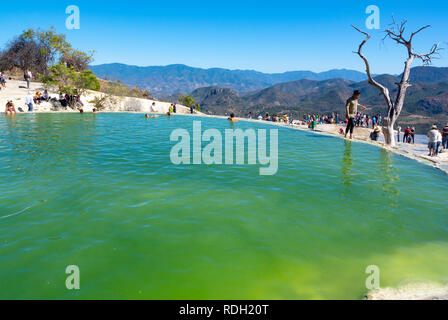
pixel 268 36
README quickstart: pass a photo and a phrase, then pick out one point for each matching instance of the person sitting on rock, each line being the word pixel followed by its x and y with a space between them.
pixel 10 109
pixel 37 97
pixel 375 134
pixel 45 97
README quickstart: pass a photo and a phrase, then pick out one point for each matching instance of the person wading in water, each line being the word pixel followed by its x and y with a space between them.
pixel 352 110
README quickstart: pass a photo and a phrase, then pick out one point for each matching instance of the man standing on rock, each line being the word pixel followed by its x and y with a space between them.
pixel 352 110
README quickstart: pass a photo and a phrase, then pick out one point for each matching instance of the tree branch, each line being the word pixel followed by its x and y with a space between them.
pixel 396 33
pixel 384 91
pixel 427 58
pixel 418 31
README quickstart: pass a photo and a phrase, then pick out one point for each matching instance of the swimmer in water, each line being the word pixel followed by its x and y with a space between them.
pixel 168 114
pixel 232 118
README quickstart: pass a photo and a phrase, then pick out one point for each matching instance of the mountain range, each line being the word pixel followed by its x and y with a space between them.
pixel 222 91
pixel 168 80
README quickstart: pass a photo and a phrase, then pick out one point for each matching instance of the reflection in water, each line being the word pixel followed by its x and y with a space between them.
pixel 10 120
pixel 347 164
pixel 390 177
pixel 31 139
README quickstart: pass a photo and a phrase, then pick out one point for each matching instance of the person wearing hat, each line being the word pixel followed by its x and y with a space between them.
pixel 352 110
pixel 432 136
pixel 445 137
pixel 29 100
pixel 375 134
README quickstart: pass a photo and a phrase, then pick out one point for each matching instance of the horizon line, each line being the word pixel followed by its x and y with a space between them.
pixel 252 70
pixel 222 68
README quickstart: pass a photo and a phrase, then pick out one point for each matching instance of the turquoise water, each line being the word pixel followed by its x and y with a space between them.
pixel 100 192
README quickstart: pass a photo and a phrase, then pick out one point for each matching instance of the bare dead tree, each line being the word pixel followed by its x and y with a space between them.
pixel 396 32
pixel 24 54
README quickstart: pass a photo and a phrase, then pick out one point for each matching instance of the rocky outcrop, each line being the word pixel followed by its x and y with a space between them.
pixel 417 291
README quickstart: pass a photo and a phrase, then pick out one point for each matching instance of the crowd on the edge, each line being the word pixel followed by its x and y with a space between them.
pixel 438 139
pixel 31 100
pixel 272 118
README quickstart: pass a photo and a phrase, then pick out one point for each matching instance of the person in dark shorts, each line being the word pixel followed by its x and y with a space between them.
pixel 413 135
pixel 432 136
pixel 445 137
pixel 375 134
pixel 352 110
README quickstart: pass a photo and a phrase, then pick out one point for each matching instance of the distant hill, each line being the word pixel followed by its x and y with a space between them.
pixel 429 74
pixel 172 79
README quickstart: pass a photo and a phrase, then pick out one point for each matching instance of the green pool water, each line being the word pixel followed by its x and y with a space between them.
pixel 100 192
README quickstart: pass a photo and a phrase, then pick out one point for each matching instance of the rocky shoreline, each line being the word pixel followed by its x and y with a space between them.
pixel 415 291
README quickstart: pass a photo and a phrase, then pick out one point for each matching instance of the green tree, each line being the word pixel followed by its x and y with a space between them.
pixel 52 44
pixel 87 80
pixel 187 100
pixel 70 82
pixel 77 59
pixel 24 54
pixel 54 47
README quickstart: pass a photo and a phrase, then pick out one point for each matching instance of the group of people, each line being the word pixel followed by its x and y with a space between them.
pixel 274 118
pixel 173 108
pixel 10 108
pixel 270 118
pixel 194 108
pixel 364 120
pixel 408 135
pixel 438 140
pixel 31 100
pixel 321 119
pixel 39 97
